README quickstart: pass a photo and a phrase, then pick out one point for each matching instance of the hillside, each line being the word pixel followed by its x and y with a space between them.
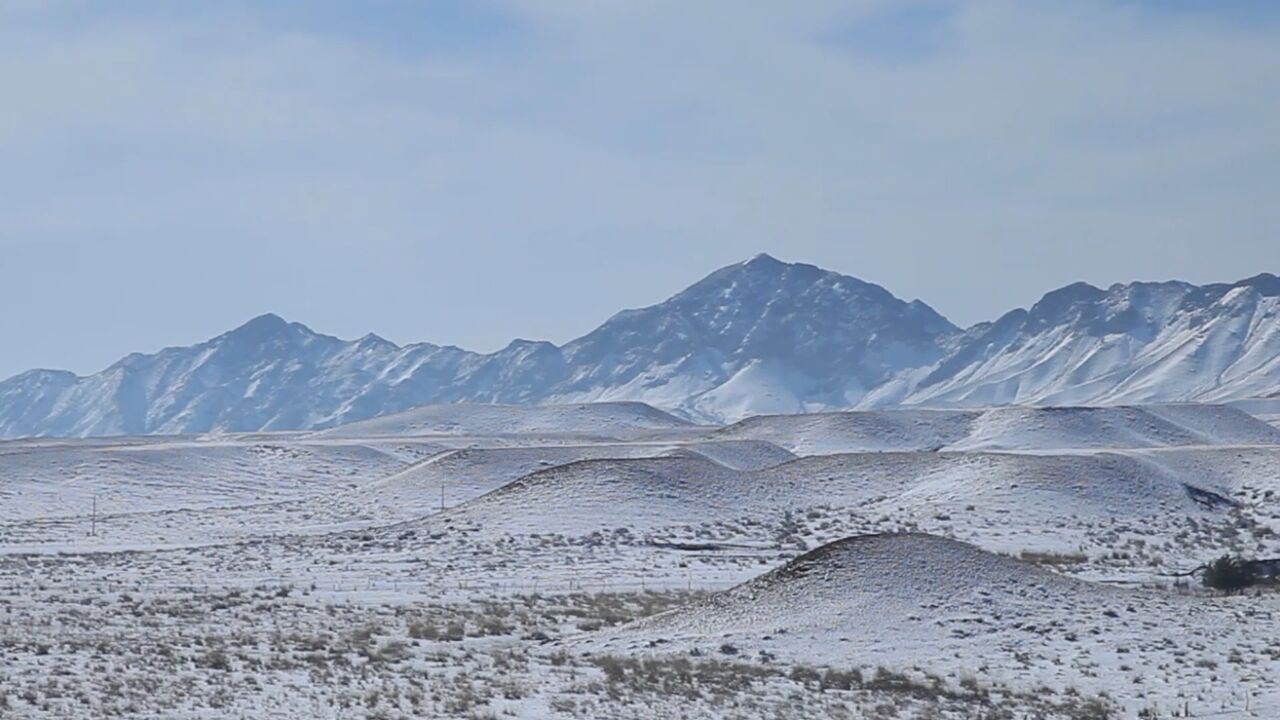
pixel 674 565
pixel 1001 501
pixel 946 607
pixel 601 419
pixel 1007 428
pixel 1134 343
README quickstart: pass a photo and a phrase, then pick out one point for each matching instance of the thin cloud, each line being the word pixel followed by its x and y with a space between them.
pixel 473 191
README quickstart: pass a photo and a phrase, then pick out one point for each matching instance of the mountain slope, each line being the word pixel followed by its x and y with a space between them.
pixel 265 375
pixel 820 338
pixel 1135 343
pixel 757 337
pixel 811 338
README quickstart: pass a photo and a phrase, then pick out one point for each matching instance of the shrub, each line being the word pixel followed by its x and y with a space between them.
pixel 1229 574
pixel 805 675
pixel 837 680
pixel 454 631
pixel 423 630
pixel 215 659
pixel 614 668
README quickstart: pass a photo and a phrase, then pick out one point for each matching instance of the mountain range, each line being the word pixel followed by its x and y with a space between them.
pixel 761 336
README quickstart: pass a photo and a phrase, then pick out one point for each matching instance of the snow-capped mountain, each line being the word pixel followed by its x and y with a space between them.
pixel 758 336
pixel 1135 343
pixel 762 336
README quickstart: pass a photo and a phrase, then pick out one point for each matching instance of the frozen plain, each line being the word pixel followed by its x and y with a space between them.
pixel 610 560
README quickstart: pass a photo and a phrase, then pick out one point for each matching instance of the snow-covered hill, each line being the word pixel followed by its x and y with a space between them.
pixel 1001 501
pixel 758 337
pixel 1007 428
pixel 853 589
pixel 893 599
pixel 603 419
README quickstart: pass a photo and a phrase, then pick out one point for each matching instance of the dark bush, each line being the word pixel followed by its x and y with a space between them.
pixel 1229 574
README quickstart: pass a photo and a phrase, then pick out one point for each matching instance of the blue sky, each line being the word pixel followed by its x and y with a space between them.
pixel 471 172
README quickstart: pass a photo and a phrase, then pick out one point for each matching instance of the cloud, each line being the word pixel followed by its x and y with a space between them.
pixel 473 173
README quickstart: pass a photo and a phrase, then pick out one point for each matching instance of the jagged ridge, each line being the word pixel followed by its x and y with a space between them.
pixel 762 336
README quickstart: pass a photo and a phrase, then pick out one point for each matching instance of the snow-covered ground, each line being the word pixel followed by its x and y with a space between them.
pixel 590 419
pixel 613 561
pixel 1008 428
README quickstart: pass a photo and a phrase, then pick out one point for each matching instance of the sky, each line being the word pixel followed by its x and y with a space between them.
pixel 469 172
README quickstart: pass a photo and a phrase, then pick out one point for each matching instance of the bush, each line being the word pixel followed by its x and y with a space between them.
pixel 423 630
pixel 215 659
pixel 837 680
pixel 1229 574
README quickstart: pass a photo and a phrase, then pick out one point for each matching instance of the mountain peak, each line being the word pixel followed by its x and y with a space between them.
pixel 265 321
pixel 754 275
pixel 263 328
pixel 524 344
pixel 764 260
pixel 373 340
pixel 1058 301
pixel 803 331
pixel 1265 283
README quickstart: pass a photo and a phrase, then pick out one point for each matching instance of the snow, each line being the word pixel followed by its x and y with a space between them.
pixel 757 337
pixel 1007 428
pixel 602 419
pixel 776 470
pixel 1138 343
pixel 1035 539
pixel 892 599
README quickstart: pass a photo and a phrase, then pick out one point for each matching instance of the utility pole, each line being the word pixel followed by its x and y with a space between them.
pixel 441 497
pixel 93 519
